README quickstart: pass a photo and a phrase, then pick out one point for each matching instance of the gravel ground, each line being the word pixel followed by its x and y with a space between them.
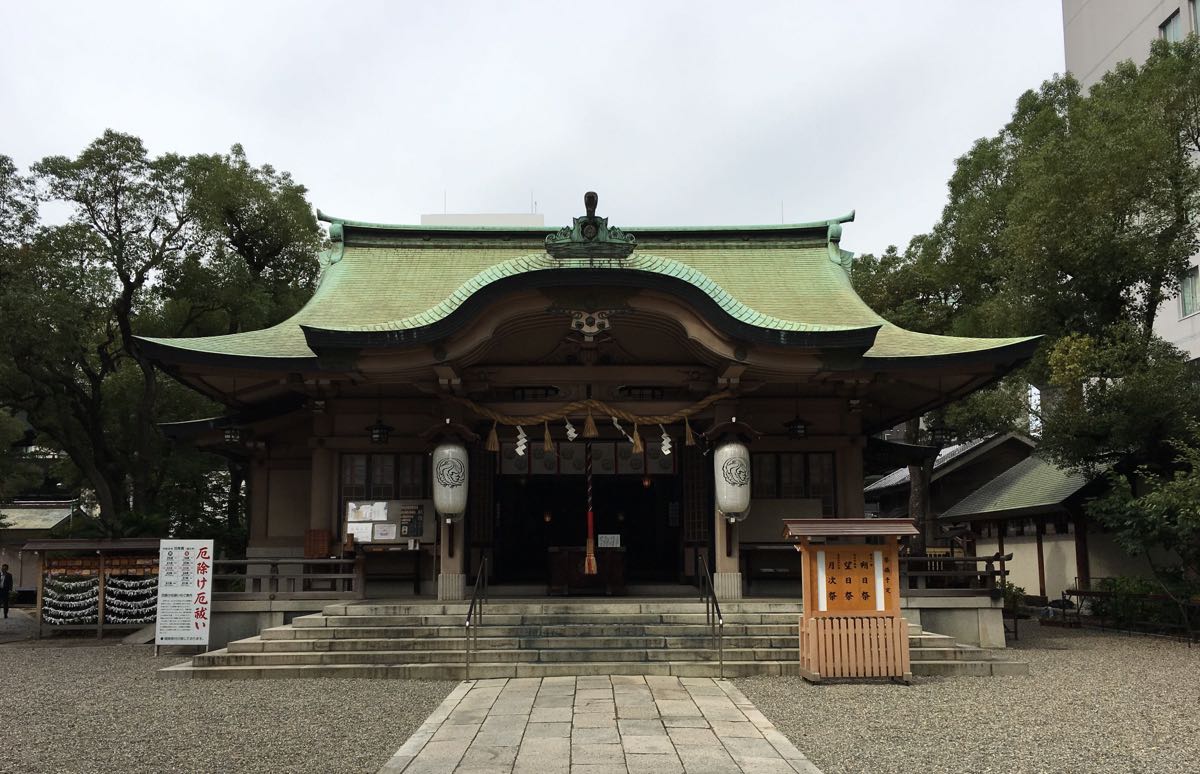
pixel 1092 703
pixel 70 706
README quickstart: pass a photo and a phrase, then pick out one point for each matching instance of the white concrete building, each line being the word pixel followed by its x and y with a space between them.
pixel 1097 34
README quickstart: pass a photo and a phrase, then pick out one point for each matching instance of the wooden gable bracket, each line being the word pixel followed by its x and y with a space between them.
pixel 731 376
pixel 448 379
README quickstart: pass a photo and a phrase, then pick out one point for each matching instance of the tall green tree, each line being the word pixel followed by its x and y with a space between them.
pixel 1074 222
pixel 165 245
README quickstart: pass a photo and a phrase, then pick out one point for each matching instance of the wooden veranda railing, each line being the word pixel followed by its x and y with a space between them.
pixel 953 576
pixel 255 579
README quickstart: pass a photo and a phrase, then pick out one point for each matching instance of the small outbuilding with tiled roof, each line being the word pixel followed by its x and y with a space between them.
pixel 1036 511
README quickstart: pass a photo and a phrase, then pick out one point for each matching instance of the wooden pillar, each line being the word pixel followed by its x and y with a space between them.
pixel 1000 548
pixel 320 502
pixel 41 579
pixel 1040 528
pixel 452 579
pixel 1082 566
pixel 100 573
pixel 259 496
pixel 727 576
pixel 848 472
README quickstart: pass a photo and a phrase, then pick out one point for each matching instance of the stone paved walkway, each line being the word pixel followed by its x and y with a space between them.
pixel 573 725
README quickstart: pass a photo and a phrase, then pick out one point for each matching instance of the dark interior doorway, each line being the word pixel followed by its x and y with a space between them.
pixel 537 512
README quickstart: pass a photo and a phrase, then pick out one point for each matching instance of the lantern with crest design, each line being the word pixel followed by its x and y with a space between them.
pixel 450 469
pixel 731 468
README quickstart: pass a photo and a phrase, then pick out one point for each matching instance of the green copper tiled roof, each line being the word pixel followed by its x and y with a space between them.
pixel 1031 486
pixel 409 278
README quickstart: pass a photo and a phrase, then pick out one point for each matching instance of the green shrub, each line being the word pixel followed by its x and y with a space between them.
pixel 1014 596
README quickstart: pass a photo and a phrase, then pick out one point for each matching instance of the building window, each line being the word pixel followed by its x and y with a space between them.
pixel 384 477
pixel 1172 29
pixel 764 476
pixel 1188 292
pixel 412 483
pixel 793 484
pixel 795 476
pixel 1195 16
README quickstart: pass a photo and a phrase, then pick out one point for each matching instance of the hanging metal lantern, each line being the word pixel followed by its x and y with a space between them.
pixel 450 480
pixel 731 468
pixel 379 432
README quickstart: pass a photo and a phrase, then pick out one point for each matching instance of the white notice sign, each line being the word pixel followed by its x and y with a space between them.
pixel 184 592
pixel 608 541
pixel 360 531
pixel 385 532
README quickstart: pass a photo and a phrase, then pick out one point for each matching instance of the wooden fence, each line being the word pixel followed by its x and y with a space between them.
pixel 257 579
pixel 854 646
pixel 953 576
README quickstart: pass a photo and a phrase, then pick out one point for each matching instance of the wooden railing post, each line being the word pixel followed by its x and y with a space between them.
pixel 100 584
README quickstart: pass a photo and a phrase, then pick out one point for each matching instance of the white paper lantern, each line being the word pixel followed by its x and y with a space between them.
pixel 450 480
pixel 731 466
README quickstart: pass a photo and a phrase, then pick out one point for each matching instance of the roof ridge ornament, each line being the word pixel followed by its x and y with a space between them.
pixel 590 236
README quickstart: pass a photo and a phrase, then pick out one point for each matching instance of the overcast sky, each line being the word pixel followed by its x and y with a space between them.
pixel 685 113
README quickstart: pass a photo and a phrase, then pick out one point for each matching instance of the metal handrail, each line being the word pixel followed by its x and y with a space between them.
pixel 475 613
pixel 712 612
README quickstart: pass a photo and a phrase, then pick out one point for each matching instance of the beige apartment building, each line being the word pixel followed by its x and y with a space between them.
pixel 1097 34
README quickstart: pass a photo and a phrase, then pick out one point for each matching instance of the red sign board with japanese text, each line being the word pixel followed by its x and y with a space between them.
pixel 184 592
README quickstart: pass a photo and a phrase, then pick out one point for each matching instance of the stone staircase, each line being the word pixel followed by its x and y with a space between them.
pixel 537 638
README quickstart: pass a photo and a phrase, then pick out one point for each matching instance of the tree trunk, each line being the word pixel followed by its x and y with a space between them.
pixel 919 476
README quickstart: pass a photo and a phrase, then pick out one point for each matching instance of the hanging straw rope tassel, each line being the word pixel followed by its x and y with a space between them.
pixel 589 559
pixel 688 438
pixel 637 441
pixel 589 427
pixel 493 441
pixel 547 441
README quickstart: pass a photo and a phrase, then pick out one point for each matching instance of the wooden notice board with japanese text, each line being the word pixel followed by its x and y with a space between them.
pixel 851 626
pixel 851 578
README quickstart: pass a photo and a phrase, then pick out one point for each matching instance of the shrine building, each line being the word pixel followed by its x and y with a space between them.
pixel 592 409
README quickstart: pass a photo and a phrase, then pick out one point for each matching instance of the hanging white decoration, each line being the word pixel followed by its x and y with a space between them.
pixel 69 603
pixel 522 441
pixel 731 471
pixel 148 582
pixel 617 424
pixel 666 442
pixel 571 432
pixel 450 480
pixel 69 620
pixel 64 585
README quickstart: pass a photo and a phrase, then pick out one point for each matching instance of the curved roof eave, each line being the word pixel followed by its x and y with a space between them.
pixel 1012 352
pixel 411 229
pixel 162 351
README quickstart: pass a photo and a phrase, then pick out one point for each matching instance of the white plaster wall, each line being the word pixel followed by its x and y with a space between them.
pixel 1058 553
pixel 1061 569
